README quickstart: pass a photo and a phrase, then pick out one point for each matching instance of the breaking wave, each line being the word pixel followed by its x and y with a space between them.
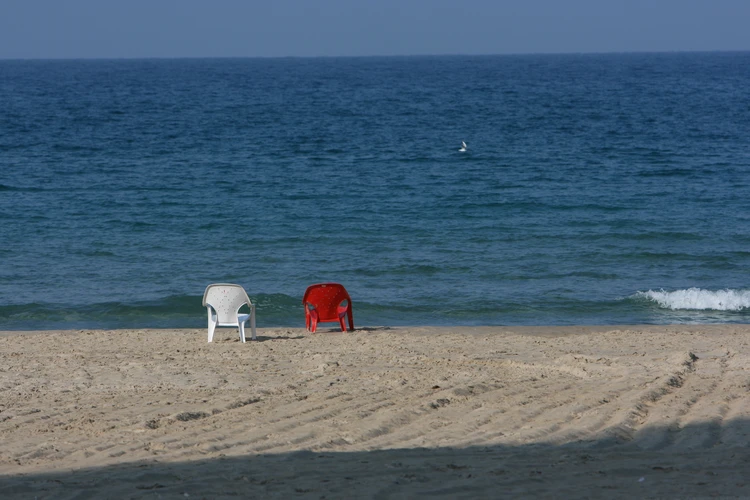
pixel 699 299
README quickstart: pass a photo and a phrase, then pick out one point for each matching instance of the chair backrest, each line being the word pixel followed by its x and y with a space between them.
pixel 226 299
pixel 326 298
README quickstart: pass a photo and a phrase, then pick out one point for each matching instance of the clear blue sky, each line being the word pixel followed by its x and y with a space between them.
pixel 272 28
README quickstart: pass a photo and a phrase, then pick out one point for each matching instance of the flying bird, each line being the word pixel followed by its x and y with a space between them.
pixel 464 147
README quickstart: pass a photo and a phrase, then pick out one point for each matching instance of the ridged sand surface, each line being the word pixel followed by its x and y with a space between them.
pixel 616 412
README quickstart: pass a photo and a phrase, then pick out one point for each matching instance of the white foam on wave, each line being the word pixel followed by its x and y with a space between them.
pixel 699 299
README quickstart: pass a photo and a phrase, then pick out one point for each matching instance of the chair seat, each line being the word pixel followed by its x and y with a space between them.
pixel 241 318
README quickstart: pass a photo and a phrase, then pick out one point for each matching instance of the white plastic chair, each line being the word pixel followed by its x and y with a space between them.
pixel 224 301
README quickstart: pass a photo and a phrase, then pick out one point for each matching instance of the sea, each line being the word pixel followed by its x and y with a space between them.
pixel 596 189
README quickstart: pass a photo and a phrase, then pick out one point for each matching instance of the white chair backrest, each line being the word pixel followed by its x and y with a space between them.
pixel 225 299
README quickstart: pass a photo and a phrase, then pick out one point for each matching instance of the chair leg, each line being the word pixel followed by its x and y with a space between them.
pixel 341 323
pixel 211 326
pixel 252 322
pixel 350 317
pixel 309 312
pixel 242 331
pixel 313 321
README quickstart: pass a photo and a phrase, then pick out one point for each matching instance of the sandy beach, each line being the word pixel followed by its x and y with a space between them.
pixel 566 412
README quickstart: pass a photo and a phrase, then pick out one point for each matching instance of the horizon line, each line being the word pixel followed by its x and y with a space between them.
pixel 374 56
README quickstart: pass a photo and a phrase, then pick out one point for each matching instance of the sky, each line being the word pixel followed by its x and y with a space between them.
pixel 54 29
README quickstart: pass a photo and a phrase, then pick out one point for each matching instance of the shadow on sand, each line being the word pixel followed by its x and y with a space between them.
pixel 700 461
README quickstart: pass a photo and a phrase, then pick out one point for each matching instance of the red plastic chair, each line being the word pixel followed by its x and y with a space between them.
pixel 327 303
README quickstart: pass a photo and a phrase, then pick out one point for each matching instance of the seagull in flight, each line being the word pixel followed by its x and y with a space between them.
pixel 464 147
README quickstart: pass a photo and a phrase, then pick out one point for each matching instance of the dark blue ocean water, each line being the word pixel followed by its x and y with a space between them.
pixel 596 189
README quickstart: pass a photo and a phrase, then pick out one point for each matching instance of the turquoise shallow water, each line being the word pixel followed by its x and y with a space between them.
pixel 597 189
